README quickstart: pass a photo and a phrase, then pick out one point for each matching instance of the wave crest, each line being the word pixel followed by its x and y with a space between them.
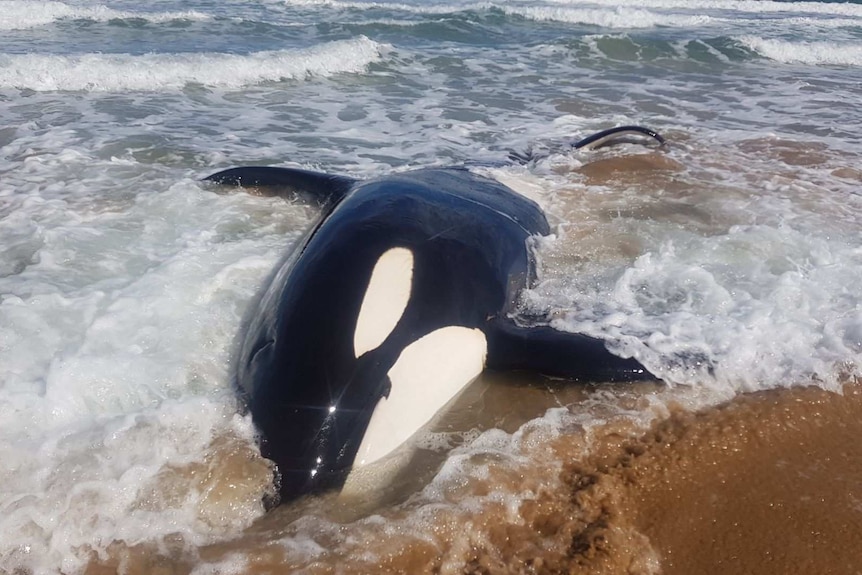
pixel 156 72
pixel 815 53
pixel 26 14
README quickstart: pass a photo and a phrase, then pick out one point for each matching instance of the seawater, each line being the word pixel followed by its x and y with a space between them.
pixel 729 262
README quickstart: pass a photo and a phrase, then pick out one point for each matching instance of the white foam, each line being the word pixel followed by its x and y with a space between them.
pixel 93 482
pixel 126 373
pixel 649 16
pixel 24 14
pixel 807 23
pixel 154 72
pixel 619 17
pixel 815 53
pixel 756 307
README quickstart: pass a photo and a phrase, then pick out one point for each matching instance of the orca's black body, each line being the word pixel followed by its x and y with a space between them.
pixel 308 393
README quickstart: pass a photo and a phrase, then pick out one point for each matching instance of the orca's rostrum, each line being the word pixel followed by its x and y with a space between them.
pixel 399 296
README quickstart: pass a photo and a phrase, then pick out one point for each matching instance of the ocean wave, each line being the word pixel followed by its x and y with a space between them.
pixel 753 6
pixel 615 14
pixel 695 7
pixel 398 7
pixel 155 72
pixel 616 17
pixel 620 17
pixel 25 14
pixel 815 53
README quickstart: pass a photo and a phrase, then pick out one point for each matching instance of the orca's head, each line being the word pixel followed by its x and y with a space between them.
pixel 355 402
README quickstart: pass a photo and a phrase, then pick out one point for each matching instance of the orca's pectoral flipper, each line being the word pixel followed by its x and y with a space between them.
pixel 323 188
pixel 557 353
pixel 616 136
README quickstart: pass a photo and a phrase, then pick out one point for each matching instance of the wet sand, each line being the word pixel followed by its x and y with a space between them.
pixel 770 482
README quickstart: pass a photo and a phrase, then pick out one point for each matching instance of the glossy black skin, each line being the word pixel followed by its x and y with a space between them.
pixel 309 396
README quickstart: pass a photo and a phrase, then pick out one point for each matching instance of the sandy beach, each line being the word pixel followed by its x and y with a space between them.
pixel 770 483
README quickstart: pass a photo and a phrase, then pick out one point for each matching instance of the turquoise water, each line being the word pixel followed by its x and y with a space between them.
pixel 734 266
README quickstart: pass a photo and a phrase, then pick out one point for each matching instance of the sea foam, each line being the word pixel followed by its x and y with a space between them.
pixel 120 422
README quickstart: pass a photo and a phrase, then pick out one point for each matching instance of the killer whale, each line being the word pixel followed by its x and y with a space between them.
pixel 401 294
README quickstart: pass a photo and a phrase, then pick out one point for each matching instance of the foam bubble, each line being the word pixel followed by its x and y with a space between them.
pixel 153 72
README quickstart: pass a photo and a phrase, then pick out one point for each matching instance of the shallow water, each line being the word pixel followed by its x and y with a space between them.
pixel 728 262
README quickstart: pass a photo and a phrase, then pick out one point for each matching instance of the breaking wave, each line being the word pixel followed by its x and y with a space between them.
pixel 155 72
pixel 25 14
pixel 814 53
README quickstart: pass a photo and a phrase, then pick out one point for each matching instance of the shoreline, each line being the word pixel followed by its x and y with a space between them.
pixel 768 482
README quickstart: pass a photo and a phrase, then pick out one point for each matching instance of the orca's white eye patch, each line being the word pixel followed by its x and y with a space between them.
pixel 427 375
pixel 385 299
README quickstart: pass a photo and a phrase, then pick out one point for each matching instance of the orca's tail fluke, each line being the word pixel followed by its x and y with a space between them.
pixel 618 135
pixel 325 189
pixel 605 138
pixel 556 353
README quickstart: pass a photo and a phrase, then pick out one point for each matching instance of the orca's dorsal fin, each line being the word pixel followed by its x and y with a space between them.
pixel 325 189
pixel 556 353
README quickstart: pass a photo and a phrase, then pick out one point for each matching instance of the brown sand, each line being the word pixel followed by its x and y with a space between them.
pixel 768 483
pixel 771 483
